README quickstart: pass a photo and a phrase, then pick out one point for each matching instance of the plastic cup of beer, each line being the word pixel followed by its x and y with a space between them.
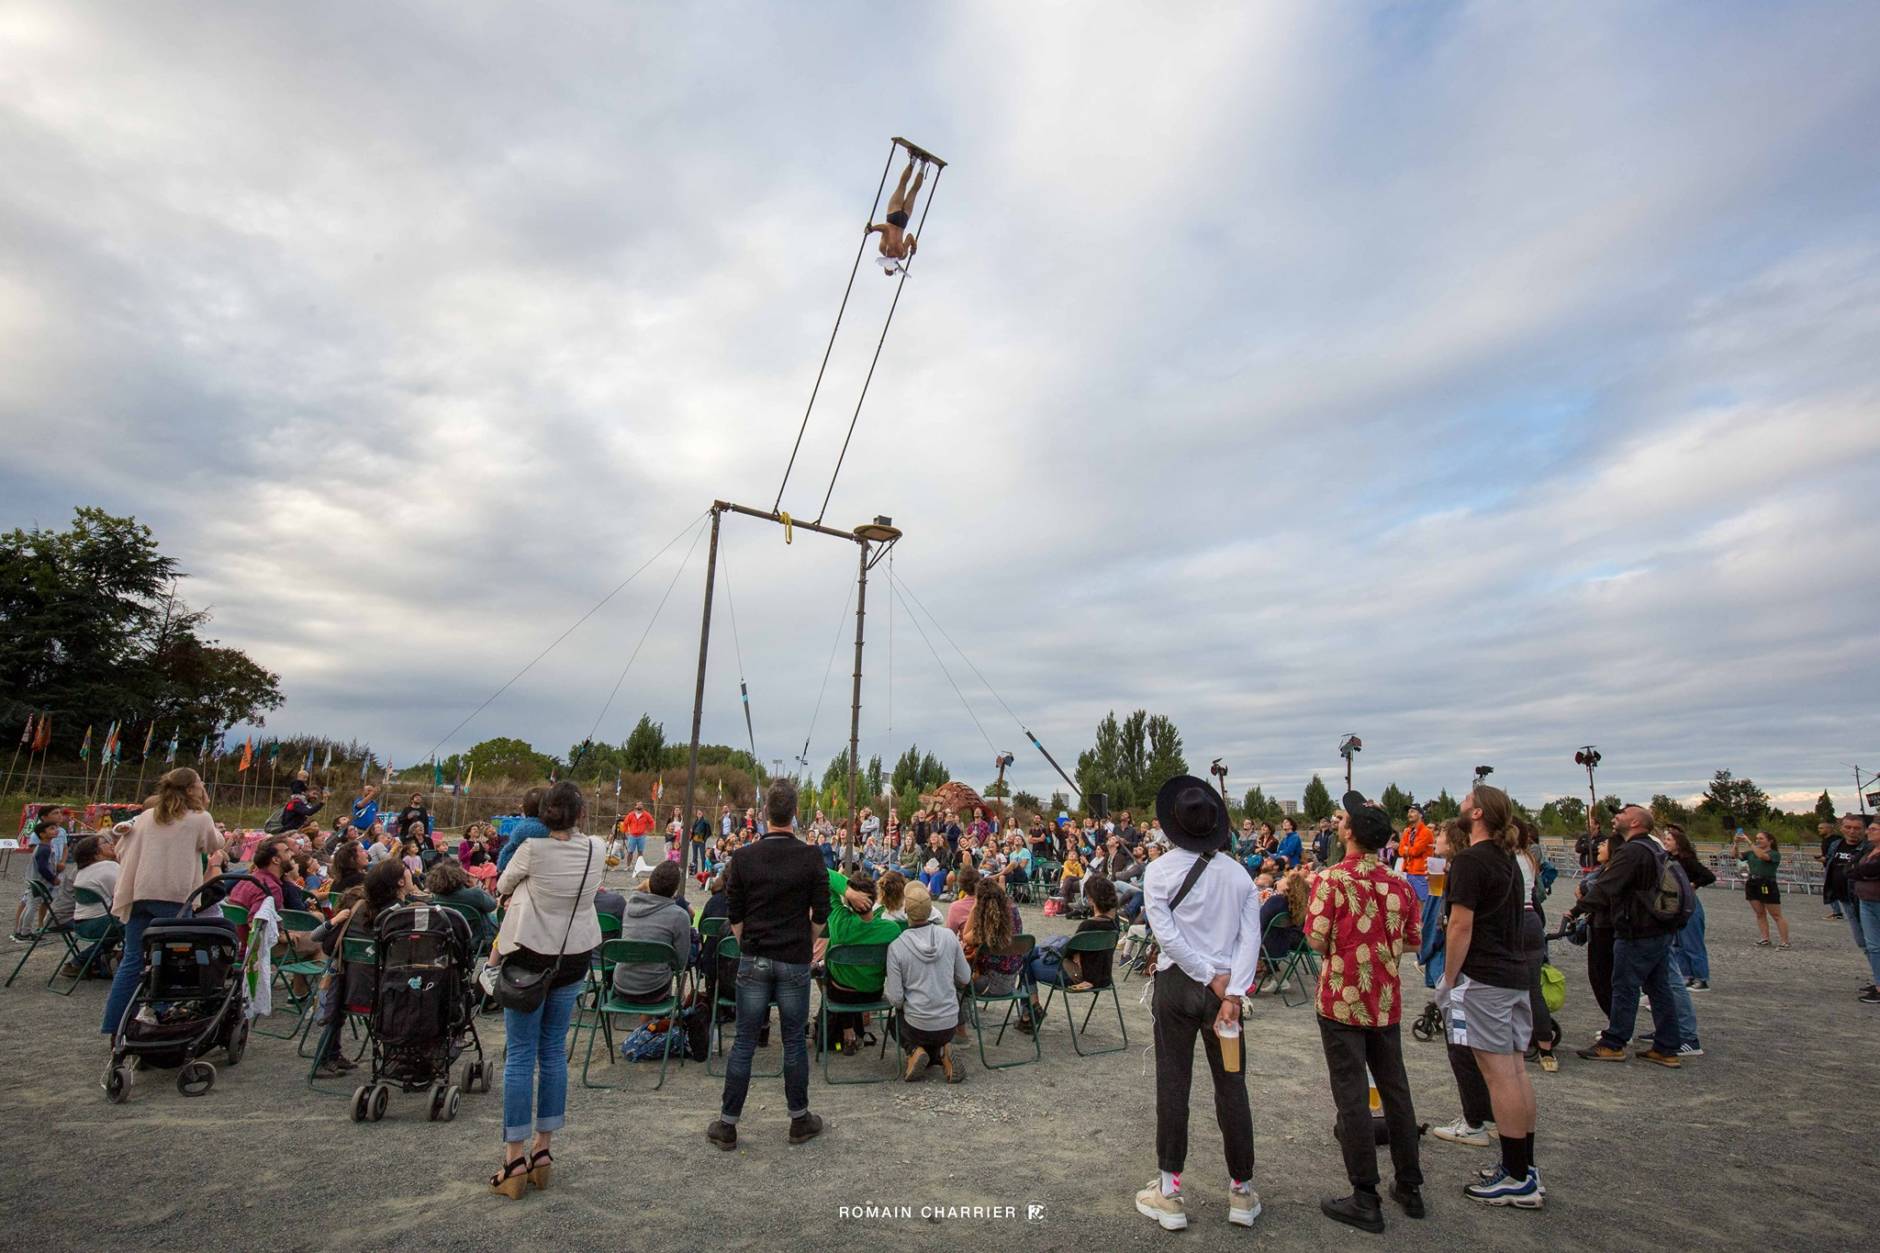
pixel 1228 1033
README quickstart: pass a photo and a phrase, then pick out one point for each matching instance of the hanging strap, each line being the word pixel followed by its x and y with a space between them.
pixel 1194 876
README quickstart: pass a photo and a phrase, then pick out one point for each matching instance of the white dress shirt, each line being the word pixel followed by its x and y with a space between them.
pixel 1217 929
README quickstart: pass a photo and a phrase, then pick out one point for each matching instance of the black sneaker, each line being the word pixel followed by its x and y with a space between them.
pixel 1361 1210
pixel 1870 997
pixel 723 1134
pixel 1699 985
pixel 1410 1198
pixel 806 1128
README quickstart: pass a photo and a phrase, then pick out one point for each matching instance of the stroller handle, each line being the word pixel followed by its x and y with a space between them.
pixel 191 904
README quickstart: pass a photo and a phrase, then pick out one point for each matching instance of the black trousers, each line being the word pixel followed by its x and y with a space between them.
pixel 1534 952
pixel 1599 966
pixel 933 1041
pixel 1348 1050
pixel 1183 1010
pixel 1476 1108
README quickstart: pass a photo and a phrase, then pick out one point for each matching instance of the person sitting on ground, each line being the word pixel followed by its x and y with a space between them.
pixel 852 920
pixel 448 881
pixel 990 927
pixel 653 915
pixel 926 968
pixel 528 828
pixel 1077 972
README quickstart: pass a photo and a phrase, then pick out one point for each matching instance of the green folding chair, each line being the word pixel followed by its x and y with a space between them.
pixel 729 950
pixel 235 914
pixel 586 1016
pixel 100 932
pixel 1088 942
pixel 636 952
pixel 42 895
pixel 1287 967
pixel 976 1003
pixel 872 955
pixel 310 969
pixel 353 949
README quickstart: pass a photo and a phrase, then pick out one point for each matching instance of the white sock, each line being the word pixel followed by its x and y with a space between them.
pixel 1171 1183
pixel 1240 1185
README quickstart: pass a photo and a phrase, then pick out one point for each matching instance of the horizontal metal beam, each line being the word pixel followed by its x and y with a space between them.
pixel 918 151
pixel 725 506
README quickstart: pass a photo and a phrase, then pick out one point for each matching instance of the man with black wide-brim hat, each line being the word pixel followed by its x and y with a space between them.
pixel 1205 917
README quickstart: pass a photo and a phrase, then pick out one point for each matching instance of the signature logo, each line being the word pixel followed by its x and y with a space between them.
pixel 1034 1213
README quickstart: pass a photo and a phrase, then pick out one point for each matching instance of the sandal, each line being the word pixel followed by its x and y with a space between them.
pixel 541 1169
pixel 512 1180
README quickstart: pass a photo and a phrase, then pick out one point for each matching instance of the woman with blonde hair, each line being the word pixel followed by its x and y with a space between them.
pixel 160 862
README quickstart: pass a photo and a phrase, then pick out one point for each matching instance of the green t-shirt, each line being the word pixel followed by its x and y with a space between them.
pixel 848 927
pixel 1759 868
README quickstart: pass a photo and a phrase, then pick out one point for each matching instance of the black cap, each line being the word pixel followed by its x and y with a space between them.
pixel 1369 823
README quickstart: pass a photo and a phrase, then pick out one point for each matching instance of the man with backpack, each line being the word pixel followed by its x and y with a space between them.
pixel 1649 900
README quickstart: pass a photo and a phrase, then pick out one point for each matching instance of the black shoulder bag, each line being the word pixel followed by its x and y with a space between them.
pixel 525 990
pixel 1194 876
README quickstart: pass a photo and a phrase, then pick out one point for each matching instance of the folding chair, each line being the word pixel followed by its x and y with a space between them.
pixel 42 895
pixel 101 932
pixel 1020 947
pixel 872 955
pixel 587 1016
pixel 613 952
pixel 309 969
pixel 1136 950
pixel 1097 941
pixel 728 950
pixel 353 949
pixel 1287 965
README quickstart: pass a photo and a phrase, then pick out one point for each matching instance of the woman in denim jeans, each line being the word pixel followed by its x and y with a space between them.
pixel 551 926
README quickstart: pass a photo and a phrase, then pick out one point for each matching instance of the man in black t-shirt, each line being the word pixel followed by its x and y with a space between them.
pixel 1484 988
pixel 777 898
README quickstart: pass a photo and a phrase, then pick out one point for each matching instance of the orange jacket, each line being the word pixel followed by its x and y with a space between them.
pixel 1415 846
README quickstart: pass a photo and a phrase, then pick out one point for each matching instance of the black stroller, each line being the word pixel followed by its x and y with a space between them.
pixel 191 999
pixel 424 1003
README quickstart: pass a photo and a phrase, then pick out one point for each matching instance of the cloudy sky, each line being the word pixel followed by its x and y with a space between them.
pixel 1484 379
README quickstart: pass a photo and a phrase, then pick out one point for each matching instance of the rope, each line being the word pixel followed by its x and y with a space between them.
pixel 920 232
pixel 956 687
pixel 565 634
pixel 891 641
pixel 859 250
pixel 827 670
pixel 642 644
pixel 744 690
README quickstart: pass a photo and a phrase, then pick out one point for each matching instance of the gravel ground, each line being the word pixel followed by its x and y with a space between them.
pixel 1726 1153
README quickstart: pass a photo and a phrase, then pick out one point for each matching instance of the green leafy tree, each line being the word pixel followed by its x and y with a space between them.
pixel 835 782
pixel 1132 761
pixel 1099 767
pixel 1317 801
pixel 645 747
pixel 1396 802
pixel 1059 803
pixel 1442 809
pixel 509 758
pixel 998 789
pixel 1165 760
pixel 1260 807
pixel 1610 804
pixel 872 782
pixel 1729 798
pixel 1824 807
pixel 1664 809
pixel 1025 802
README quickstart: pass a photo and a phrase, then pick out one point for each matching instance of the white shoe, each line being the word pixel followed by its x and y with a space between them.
pixel 1242 1206
pixel 1460 1132
pixel 1168 1211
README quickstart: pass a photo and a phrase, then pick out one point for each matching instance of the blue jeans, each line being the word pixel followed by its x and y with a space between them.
pixel 1863 919
pixel 1420 884
pixel 763 982
pixel 536 1070
pixel 1691 957
pixel 130 971
pixel 1642 964
pixel 1430 951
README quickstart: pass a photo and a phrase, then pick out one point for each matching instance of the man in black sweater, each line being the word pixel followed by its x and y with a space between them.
pixel 777 894
pixel 1641 947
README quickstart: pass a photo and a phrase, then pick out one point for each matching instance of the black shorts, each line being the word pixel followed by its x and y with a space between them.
pixel 898 219
pixel 1762 891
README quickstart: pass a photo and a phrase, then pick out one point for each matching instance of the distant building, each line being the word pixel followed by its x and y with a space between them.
pixel 1290 808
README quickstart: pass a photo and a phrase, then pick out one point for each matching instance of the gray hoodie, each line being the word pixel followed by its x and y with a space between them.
pixel 660 919
pixel 925 965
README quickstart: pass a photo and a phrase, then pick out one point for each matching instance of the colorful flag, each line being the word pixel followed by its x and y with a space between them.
pixel 437 771
pixel 329 756
pixel 274 752
pixel 149 735
pixel 248 754
pixel 202 754
pixel 175 737
pixel 616 785
pixel 43 737
pixel 26 736
pixel 110 741
pixel 309 766
pixel 84 749
pixel 456 783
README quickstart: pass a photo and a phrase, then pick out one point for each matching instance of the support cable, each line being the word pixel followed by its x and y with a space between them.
pixel 744 689
pixel 827 671
pixel 634 656
pixel 956 687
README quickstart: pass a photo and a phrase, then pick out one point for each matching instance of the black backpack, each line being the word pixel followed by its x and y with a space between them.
pixel 1670 900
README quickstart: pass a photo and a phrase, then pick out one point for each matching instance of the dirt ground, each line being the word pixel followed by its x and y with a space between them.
pixel 1753 1145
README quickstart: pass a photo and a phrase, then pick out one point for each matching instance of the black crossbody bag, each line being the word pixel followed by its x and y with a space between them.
pixel 524 990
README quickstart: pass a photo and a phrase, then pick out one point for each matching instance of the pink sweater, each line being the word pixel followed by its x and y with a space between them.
pixel 162 861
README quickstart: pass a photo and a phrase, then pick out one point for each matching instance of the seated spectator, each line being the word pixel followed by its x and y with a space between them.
pixel 991 923
pixel 891 893
pixel 348 869
pixel 608 901
pixel 1073 876
pixel 654 915
pixel 448 881
pixel 93 867
pixel 1079 972
pixel 300 807
pixel 264 882
pixel 926 969
pixel 386 884
pixel 853 920
pixel 933 877
pixel 962 906
pixel 1288 903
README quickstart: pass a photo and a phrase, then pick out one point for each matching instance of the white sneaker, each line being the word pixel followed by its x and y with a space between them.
pixel 1460 1132
pixel 1168 1211
pixel 1243 1205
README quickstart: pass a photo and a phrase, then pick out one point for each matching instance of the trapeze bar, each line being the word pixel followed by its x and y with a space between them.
pixel 915 150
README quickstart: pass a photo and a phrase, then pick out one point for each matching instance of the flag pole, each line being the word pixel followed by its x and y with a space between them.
pixel 24 739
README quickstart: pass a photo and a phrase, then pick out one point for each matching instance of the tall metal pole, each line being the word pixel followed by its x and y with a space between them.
pixel 1859 796
pixel 698 692
pixel 855 706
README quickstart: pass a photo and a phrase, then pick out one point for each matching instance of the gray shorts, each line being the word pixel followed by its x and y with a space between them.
pixel 1494 1020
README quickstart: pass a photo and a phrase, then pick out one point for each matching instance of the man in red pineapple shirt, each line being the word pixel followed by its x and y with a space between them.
pixel 1362 917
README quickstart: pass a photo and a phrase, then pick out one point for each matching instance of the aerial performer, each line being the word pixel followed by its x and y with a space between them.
pixel 896 246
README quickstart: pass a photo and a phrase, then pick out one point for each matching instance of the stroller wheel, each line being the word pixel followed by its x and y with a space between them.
pixel 437 1101
pixel 117 1084
pixel 237 1042
pixel 475 1078
pixel 195 1079
pixel 1421 1029
pixel 450 1104
pixel 359 1102
pixel 381 1095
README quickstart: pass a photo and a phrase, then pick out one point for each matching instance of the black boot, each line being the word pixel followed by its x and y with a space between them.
pixel 1410 1198
pixel 1361 1210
